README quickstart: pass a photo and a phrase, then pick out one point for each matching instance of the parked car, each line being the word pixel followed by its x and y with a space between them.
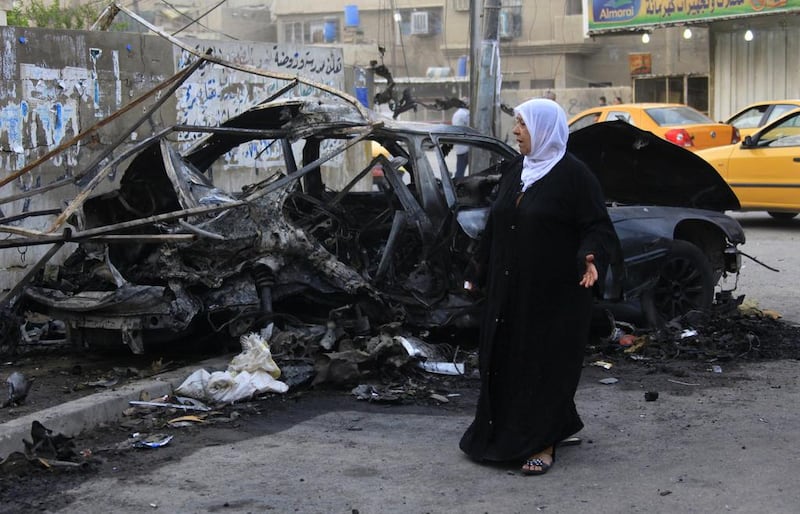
pixel 302 246
pixel 764 170
pixel 756 115
pixel 677 123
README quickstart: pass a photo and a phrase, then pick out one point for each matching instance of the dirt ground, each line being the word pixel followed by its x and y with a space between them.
pixel 686 357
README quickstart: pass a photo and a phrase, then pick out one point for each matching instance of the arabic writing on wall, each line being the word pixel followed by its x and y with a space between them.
pixel 216 93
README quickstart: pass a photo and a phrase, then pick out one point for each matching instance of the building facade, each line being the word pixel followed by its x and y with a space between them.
pixel 542 44
pixel 752 44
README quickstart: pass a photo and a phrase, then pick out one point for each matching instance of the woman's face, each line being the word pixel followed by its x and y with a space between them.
pixel 523 136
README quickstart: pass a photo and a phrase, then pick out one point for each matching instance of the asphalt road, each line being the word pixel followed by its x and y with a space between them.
pixel 711 442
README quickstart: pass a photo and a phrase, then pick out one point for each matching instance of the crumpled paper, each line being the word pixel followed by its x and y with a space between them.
pixel 250 373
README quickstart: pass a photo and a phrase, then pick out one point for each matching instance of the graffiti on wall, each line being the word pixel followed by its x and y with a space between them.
pixel 43 108
pixel 215 93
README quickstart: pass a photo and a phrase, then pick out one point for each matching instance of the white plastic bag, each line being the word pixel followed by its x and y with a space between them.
pixel 249 373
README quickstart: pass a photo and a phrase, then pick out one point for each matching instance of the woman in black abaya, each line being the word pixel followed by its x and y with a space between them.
pixel 548 242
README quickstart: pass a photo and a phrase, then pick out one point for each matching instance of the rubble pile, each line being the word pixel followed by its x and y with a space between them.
pixel 46 450
pixel 744 334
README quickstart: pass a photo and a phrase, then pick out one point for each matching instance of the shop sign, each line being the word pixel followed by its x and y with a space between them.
pixel 637 15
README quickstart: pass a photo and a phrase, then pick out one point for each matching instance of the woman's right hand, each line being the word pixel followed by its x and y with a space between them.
pixel 590 275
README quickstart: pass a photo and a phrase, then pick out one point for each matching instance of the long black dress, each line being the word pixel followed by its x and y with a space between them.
pixel 537 316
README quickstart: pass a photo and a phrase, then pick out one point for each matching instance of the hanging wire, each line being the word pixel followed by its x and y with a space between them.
pixel 382 28
pixel 560 61
pixel 195 20
pixel 444 37
pixel 400 35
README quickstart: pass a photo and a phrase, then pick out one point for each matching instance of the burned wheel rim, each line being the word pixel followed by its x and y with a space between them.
pixel 685 283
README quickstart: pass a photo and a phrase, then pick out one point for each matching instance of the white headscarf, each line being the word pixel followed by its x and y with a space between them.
pixel 547 125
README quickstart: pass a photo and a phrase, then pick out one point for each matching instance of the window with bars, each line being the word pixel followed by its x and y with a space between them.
pixel 293 32
pixel 543 84
pixel 316 32
pixel 422 22
pixel 419 23
pixel 310 32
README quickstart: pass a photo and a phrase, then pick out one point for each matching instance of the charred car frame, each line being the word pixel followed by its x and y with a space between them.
pixel 168 253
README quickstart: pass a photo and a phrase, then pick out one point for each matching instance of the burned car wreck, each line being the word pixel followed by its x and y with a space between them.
pixel 169 254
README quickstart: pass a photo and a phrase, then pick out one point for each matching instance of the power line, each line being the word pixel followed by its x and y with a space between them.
pixel 400 33
pixel 196 20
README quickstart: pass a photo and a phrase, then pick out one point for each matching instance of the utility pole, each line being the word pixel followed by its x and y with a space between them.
pixel 484 72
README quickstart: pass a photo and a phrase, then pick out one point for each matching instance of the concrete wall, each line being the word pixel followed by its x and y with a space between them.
pixel 55 84
pixel 765 68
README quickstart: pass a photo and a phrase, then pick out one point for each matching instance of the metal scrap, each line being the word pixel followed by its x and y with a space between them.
pixel 181 403
pixel 18 387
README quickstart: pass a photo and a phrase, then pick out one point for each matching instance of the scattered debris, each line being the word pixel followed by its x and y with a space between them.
pixel 47 451
pixel 18 387
pixel 372 393
pixel 681 383
pixel 250 373
pixel 651 396
pixel 603 364
pixel 744 333
pixel 443 368
pixel 110 382
pixel 150 441
pixel 44 444
pixel 431 356
pixel 180 403
pixel 608 380
pixel 186 421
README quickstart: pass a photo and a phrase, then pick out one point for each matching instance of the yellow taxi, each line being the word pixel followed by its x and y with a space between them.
pixel 764 171
pixel 677 123
pixel 756 115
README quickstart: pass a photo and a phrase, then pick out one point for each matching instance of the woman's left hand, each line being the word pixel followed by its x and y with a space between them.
pixel 590 275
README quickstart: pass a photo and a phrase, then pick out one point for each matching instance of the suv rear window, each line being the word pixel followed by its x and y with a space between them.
pixel 668 116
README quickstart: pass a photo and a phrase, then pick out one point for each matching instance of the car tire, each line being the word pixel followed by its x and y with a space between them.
pixel 685 283
pixel 782 215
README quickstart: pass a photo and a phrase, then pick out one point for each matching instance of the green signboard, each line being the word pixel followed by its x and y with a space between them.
pixel 622 15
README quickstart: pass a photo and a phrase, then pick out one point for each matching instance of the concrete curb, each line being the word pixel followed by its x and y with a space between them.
pixel 86 413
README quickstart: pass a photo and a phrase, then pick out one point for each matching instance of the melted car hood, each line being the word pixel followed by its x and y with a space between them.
pixel 638 167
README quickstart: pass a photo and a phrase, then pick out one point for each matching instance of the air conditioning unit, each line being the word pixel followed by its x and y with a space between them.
pixel 505 25
pixel 419 23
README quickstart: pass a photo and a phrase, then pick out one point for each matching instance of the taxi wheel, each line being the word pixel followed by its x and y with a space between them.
pixel 685 283
pixel 782 215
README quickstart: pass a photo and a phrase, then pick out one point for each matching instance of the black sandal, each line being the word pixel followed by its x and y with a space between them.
pixel 539 463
